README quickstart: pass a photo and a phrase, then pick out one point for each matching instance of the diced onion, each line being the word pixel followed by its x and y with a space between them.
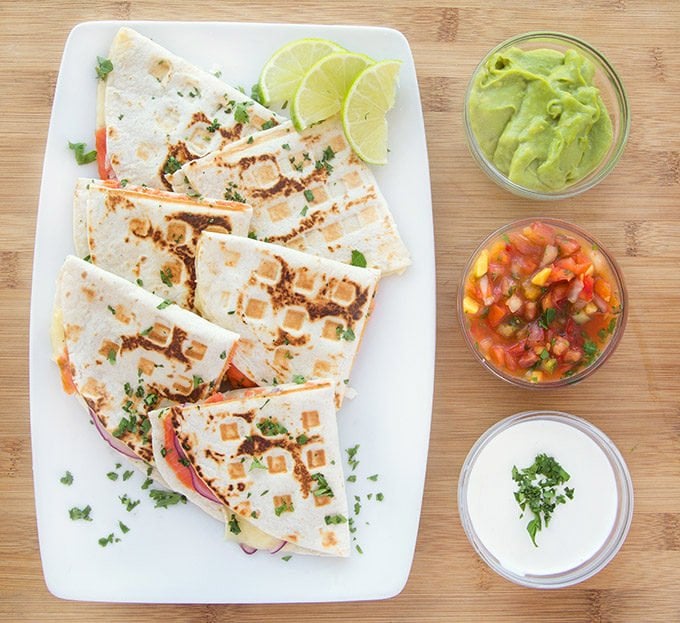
pixel 278 548
pixel 247 549
pixel 600 302
pixel 574 290
pixel 549 255
pixel 514 303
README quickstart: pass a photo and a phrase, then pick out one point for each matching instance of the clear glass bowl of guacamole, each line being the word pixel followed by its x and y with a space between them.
pixel 546 115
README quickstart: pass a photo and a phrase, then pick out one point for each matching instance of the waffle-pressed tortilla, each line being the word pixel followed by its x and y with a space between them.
pixel 125 351
pixel 149 236
pixel 308 191
pixel 271 456
pixel 299 316
pixel 161 111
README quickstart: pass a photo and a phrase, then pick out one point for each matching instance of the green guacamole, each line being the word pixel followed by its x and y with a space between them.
pixel 538 118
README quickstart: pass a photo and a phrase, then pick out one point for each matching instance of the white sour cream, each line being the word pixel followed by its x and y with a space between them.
pixel 577 529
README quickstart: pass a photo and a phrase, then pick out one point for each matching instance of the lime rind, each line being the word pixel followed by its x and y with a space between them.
pixel 364 110
pixel 322 90
pixel 282 73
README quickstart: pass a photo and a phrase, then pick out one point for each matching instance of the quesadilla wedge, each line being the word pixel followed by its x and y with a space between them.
pixel 267 459
pixel 299 316
pixel 157 111
pixel 308 191
pixel 124 351
pixel 149 236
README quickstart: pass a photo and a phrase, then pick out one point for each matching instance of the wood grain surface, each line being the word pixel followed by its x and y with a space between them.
pixel 634 398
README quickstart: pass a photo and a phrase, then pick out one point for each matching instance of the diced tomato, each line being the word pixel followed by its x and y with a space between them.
pixel 603 289
pixel 566 245
pixel 524 246
pixel 105 170
pixel 183 472
pixel 216 397
pixel 238 379
pixel 587 292
pixel 66 376
pixel 559 293
pixel 497 354
pixel 496 314
pixel 540 233
pixel 510 362
pixel 528 359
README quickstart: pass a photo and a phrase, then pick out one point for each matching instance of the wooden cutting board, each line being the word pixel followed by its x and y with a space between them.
pixel 634 398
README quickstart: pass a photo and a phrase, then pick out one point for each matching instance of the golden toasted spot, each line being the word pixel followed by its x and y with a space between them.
pixel 280 500
pixel 122 315
pixel 172 271
pixel 255 309
pixel 352 179
pixel 72 332
pixel 89 293
pixel 109 347
pixel 236 470
pixel 328 539
pixel 159 334
pixel 195 350
pixel 243 508
pixel 351 224
pixel 330 330
pixel 320 195
pixel 368 215
pixel 304 279
pixel 183 385
pixel 268 270
pixel 279 212
pixel 294 319
pixel 292 538
pixel 256 120
pixel 316 458
pixel 231 258
pixel 229 432
pixel 277 464
pixel 147 367
pixel 218 229
pixel 344 293
pixel 282 358
pixel 160 69
pixel 140 226
pixel 177 232
pixel 338 143
pixel 310 419
pixel 332 232
pixel 265 175
pixel 321 500
pixel 322 368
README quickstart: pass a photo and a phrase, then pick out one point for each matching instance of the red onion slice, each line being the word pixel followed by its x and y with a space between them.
pixel 278 548
pixel 198 485
pixel 116 444
pixel 247 549
pixel 601 304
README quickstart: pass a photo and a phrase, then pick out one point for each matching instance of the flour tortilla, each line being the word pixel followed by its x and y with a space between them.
pixel 160 110
pixel 308 191
pixel 127 352
pixel 149 236
pixel 299 316
pixel 271 455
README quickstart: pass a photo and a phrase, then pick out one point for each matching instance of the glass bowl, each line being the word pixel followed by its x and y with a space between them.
pixel 606 342
pixel 583 539
pixel 611 91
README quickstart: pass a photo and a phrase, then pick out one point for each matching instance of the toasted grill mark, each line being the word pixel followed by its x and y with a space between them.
pixel 172 351
pixel 218 457
pixel 199 117
pixel 284 338
pixel 248 416
pixel 256 445
pixel 283 295
pixel 230 134
pixel 117 201
pixel 180 152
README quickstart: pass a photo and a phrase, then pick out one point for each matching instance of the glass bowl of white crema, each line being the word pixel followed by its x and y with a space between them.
pixel 588 498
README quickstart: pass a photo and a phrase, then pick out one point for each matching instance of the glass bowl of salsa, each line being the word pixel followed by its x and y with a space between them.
pixel 546 115
pixel 542 303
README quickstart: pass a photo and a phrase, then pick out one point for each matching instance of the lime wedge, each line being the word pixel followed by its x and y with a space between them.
pixel 363 112
pixel 323 88
pixel 284 70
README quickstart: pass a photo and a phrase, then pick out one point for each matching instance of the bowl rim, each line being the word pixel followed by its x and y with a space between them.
pixel 622 521
pixel 610 346
pixel 604 167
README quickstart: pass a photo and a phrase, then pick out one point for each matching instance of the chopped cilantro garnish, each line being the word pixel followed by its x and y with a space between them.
pixel 123 182
pixel 345 334
pixel 66 479
pixel 287 557
pixel 128 503
pixel 284 508
pixel 104 541
pixel 257 464
pixel 234 528
pixel 214 126
pixel 164 499
pixel 302 439
pixel 358 259
pixel 309 195
pixel 172 165
pixel 127 474
pixel 166 277
pixel 80 155
pixel 231 194
pixel 270 428
pixel 268 124
pixel 197 380
pixel 547 317
pixel 164 304
pixel 379 496
pixel 241 113
pixel 303 212
pixel 373 478
pixel 298 378
pixel 351 454
pixel 223 354
pixel 112 476
pixel 358 548
pixel 111 356
pixel 104 67
pixel 352 478
pixel 76 513
pixel 286 146
pixel 123 528
pixel 335 519
pixel 147 331
pixel 322 489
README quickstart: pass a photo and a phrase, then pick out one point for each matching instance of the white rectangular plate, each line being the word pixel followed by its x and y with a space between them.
pixel 179 555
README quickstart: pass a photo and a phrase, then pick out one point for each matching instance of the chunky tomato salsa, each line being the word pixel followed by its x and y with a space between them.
pixel 541 303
